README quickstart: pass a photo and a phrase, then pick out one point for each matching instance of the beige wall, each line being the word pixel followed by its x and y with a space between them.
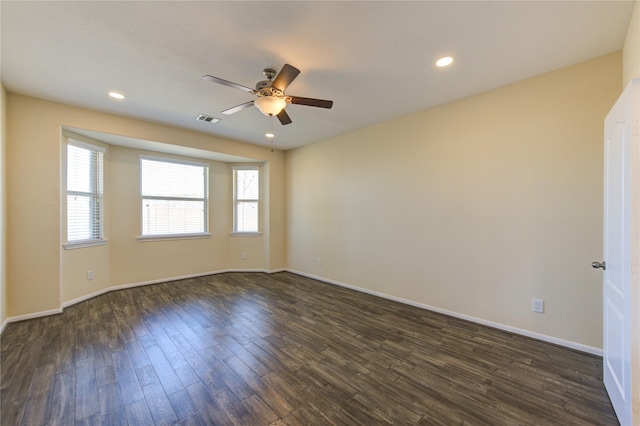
pixel 474 207
pixel 42 275
pixel 631 50
pixel 3 215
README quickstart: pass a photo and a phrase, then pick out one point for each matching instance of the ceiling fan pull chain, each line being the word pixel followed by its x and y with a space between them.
pixel 273 135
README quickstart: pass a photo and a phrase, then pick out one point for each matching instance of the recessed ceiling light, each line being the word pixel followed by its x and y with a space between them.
pixel 269 135
pixel 116 95
pixel 444 61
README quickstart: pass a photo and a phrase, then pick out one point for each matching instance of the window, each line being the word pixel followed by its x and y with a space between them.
pixel 246 194
pixel 174 196
pixel 85 192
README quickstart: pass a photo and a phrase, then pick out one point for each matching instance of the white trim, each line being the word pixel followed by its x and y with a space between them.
pixel 538 336
pixel 204 200
pixel 163 237
pixel 503 327
pixel 72 140
pixel 258 201
pixel 163 159
pixel 246 166
pixel 69 303
pixel 84 140
pixel 246 234
pixel 156 281
pixel 34 315
pixel 83 244
pixel 95 193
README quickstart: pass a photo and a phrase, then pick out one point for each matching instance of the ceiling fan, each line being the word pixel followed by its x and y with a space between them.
pixel 271 99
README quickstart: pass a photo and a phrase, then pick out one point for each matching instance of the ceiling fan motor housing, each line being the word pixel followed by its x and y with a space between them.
pixel 263 84
pixel 264 89
pixel 269 73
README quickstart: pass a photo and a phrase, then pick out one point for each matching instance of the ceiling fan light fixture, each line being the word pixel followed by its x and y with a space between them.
pixel 444 61
pixel 270 105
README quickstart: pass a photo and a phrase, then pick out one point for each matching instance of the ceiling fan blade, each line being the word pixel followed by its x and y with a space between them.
pixel 284 118
pixel 284 78
pixel 228 83
pixel 311 102
pixel 238 108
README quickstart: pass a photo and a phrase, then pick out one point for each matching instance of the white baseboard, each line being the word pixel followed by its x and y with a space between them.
pixel 72 302
pixel 33 315
pixel 538 336
pixel 522 332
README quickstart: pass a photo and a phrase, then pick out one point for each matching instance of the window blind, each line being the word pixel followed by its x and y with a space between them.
pixel 85 192
pixel 174 197
pixel 247 196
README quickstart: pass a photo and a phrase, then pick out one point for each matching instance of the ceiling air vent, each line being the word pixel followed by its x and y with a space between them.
pixel 207 118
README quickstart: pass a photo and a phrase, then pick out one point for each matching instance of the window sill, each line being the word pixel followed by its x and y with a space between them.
pixel 145 238
pixel 246 234
pixel 84 244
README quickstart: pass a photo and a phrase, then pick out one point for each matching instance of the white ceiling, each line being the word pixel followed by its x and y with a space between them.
pixel 375 60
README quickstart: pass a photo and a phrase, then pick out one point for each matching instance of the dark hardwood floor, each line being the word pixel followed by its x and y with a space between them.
pixel 258 349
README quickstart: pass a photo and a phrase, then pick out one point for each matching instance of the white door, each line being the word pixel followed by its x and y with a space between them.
pixel 622 256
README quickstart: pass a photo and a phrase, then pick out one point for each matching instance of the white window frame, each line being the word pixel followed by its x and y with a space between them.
pixel 186 235
pixel 97 193
pixel 235 169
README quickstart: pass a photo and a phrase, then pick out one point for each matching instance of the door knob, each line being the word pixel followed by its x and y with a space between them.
pixel 597 265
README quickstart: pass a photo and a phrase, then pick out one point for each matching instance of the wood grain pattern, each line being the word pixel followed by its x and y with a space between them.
pixel 280 349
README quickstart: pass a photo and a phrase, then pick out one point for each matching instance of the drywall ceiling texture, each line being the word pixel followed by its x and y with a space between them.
pixel 474 207
pixel 374 59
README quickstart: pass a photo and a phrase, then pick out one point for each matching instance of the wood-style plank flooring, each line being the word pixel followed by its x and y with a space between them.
pixel 258 349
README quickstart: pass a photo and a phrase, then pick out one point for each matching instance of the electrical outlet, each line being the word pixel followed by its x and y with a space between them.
pixel 537 305
pixel 244 255
pixel 89 275
pixel 319 262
